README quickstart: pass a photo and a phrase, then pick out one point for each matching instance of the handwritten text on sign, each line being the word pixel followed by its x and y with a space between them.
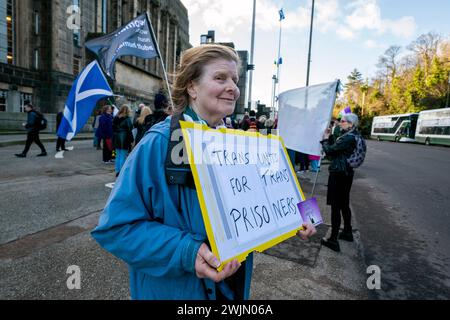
pixel 248 189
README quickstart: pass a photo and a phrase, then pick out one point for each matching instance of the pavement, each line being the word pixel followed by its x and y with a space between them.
pixel 34 265
pixel 304 270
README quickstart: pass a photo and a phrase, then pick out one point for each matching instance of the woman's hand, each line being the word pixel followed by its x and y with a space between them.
pixel 206 264
pixel 308 231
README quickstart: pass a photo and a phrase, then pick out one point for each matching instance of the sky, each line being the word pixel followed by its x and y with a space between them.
pixel 347 34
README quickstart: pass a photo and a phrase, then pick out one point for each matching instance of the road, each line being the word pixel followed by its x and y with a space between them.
pixel 402 198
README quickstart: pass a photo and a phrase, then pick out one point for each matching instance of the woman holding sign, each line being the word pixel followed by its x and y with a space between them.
pixel 340 179
pixel 156 226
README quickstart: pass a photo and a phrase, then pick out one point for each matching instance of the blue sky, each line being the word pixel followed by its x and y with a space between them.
pixel 348 34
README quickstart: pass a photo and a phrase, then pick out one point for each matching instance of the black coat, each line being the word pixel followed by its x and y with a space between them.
pixel 341 173
pixel 122 133
pixel 338 151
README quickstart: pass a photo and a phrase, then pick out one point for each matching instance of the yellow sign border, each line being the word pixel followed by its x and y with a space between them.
pixel 260 248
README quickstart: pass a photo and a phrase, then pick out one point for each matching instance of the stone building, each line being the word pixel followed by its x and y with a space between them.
pixel 42 48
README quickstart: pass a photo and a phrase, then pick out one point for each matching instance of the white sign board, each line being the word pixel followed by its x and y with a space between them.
pixel 247 188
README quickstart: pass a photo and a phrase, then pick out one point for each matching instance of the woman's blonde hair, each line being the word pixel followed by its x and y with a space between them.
pixel 124 111
pixel 191 68
pixel 145 111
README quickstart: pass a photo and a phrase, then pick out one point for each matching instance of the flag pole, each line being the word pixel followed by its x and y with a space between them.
pixel 310 41
pixel 161 59
pixel 277 80
pixel 252 50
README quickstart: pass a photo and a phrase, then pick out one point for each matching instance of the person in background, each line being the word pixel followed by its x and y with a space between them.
pixel 336 130
pixel 122 136
pixel 60 142
pixel 340 179
pixel 228 123
pixel 105 132
pixel 95 124
pixel 32 127
pixel 314 161
pixel 137 112
pixel 268 125
pixel 261 122
pixel 159 113
pixel 157 228
pixel 141 125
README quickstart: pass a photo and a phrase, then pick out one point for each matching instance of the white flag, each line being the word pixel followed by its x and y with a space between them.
pixel 304 114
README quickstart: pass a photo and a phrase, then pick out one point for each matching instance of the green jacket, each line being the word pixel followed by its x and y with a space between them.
pixel 338 150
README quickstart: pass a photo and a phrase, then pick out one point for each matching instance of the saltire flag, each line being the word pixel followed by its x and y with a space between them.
pixel 304 114
pixel 87 89
pixel 281 13
pixel 134 39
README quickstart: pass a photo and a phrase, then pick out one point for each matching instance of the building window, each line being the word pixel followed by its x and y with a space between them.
pixel 76 65
pixel 36 59
pixel 3 96
pixel 25 97
pixel 10 32
pixel 36 23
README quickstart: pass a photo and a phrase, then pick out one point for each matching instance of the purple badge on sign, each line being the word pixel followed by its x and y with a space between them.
pixel 309 210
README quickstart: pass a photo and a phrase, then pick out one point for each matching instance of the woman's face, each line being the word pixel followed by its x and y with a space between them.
pixel 345 125
pixel 215 93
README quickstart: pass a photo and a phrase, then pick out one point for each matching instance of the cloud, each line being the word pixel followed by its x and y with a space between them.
pixel 404 27
pixel 366 14
pixel 232 15
pixel 371 44
pixel 327 14
pixel 349 20
pixel 345 33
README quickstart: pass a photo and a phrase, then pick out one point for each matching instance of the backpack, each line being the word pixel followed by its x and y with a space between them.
pixel 41 122
pixel 357 157
pixel 180 173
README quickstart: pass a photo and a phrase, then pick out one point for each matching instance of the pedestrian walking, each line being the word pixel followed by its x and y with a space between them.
pixel 156 227
pixel 122 136
pixel 104 133
pixel 340 179
pixel 32 126
pixel 60 142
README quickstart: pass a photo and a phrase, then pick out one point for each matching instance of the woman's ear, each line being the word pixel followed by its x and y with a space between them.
pixel 192 90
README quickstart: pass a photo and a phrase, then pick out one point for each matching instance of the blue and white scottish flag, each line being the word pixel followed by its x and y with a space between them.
pixel 89 87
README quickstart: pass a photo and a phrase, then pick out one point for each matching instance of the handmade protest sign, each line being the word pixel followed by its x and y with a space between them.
pixel 247 189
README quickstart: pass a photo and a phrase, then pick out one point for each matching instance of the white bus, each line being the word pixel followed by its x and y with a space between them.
pixel 433 127
pixel 395 127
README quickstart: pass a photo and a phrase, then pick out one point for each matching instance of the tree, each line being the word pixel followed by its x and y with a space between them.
pixel 426 47
pixel 388 62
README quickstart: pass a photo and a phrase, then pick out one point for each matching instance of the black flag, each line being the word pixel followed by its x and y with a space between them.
pixel 134 39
